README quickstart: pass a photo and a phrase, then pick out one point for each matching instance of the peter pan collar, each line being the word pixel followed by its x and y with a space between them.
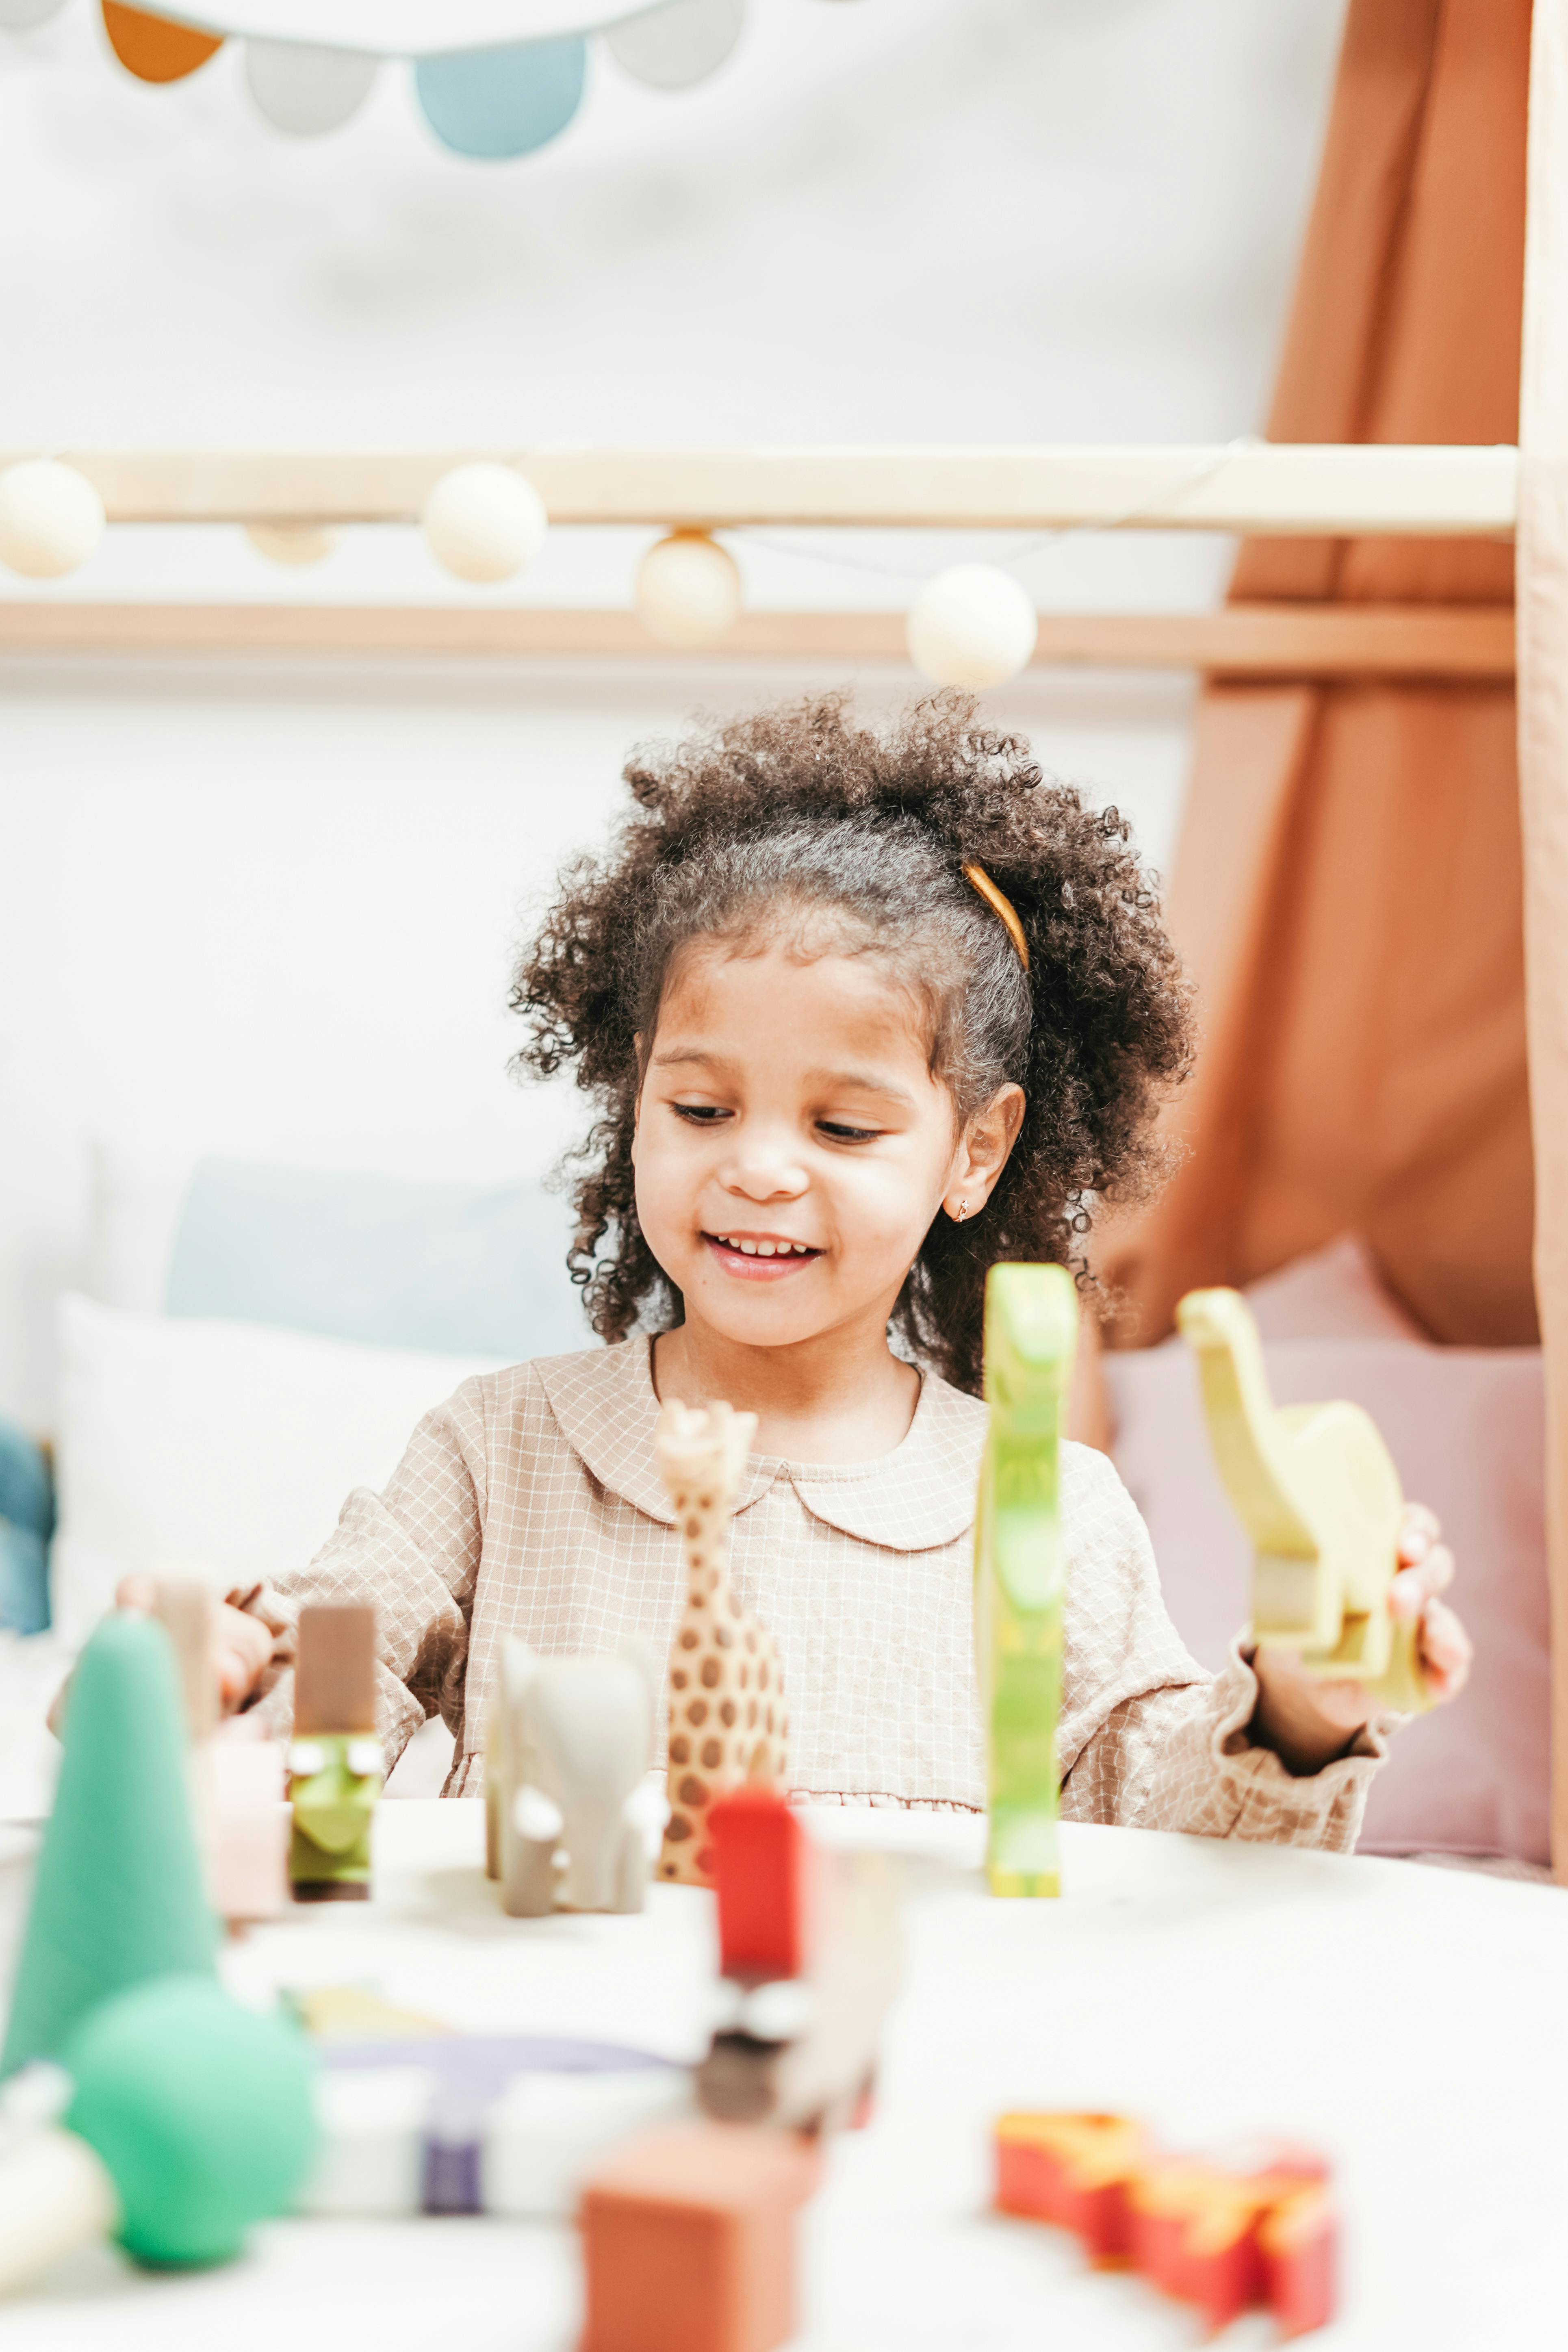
pixel 918 1496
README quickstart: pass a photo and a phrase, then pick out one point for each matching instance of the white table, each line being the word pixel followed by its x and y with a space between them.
pixel 1412 2021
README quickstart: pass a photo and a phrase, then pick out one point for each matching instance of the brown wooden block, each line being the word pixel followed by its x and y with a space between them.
pixel 334 1678
pixel 689 2241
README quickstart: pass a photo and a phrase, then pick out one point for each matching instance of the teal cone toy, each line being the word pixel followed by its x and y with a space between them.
pixel 118 1897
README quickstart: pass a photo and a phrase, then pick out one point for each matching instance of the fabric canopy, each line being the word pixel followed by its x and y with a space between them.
pixel 1371 887
pixel 1543 782
pixel 1347 891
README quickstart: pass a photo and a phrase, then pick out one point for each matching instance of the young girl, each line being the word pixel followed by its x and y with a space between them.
pixel 859 1012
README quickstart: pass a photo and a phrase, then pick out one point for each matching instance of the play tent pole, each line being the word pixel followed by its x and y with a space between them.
pixel 1542 624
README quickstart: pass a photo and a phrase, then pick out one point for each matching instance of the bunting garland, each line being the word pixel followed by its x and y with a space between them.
pixel 486 99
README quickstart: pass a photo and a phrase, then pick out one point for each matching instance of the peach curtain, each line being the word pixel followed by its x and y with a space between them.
pixel 1542 557
pixel 1348 888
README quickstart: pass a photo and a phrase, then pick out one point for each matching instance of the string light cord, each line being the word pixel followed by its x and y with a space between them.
pixel 1148 511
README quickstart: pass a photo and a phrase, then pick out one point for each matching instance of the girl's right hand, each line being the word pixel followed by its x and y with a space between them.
pixel 242 1644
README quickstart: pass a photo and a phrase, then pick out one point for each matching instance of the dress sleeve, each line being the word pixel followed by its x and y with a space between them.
pixel 1147 1738
pixel 413 1550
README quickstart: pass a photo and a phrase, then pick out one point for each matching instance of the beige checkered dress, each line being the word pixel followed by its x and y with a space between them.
pixel 530 1504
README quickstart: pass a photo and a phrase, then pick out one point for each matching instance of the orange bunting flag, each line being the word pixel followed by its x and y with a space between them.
pixel 151 48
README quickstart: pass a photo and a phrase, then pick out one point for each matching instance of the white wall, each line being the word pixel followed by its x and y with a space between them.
pixel 274 904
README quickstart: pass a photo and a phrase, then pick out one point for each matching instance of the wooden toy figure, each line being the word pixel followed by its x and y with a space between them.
pixel 334 1759
pixel 727 1722
pixel 567 1747
pixel 810 1941
pixel 236 1774
pixel 1317 1492
pixel 1031 1331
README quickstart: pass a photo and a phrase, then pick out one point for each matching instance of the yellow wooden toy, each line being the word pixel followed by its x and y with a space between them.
pixel 1315 1488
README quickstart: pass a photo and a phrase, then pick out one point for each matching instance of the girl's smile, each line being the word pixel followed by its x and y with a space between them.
pixel 760 1258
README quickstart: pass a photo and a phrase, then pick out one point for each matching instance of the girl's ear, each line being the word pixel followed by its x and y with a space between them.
pixel 983 1152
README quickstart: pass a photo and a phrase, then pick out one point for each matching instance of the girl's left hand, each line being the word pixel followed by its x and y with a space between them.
pixel 1308 1721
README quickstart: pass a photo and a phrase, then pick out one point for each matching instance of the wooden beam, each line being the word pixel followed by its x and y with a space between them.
pixel 1240 487
pixel 1241 640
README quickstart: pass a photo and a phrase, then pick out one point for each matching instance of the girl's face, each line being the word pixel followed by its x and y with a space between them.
pixel 792 1146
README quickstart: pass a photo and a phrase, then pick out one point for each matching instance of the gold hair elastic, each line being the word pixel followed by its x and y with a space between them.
pixel 978 880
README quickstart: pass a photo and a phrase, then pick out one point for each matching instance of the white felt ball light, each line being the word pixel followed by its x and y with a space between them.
pixel 688 590
pixel 51 519
pixel 293 543
pixel 484 521
pixel 973 625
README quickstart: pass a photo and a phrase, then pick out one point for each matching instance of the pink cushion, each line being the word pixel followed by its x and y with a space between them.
pixel 1465 1428
pixel 1334 1294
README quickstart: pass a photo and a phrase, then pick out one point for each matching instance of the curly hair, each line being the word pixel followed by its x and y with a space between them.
pixel 856 838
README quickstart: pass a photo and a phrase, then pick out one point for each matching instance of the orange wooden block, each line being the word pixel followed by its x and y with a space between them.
pixel 151 48
pixel 1075 2171
pixel 1221 2240
pixel 689 2241
pixel 1194 2235
pixel 1298 2242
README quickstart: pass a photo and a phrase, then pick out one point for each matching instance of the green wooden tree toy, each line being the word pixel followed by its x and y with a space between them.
pixel 118 1896
pixel 1316 1489
pixel 1031 1331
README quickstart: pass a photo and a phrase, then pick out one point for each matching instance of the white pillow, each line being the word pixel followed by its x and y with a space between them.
pixel 226 1447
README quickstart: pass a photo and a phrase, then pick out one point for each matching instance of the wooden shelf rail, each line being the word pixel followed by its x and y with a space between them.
pixel 1271 490
pixel 1241 640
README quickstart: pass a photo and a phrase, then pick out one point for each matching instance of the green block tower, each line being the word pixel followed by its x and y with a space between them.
pixel 334 1759
pixel 1031 1331
pixel 118 1897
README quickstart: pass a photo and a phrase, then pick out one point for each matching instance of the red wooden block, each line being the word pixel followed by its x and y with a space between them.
pixel 1074 2170
pixel 1194 2235
pixel 689 2241
pixel 1298 2242
pixel 1226 2240
pixel 767 1874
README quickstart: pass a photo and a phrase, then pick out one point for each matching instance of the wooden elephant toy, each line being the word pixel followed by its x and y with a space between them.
pixel 568 1748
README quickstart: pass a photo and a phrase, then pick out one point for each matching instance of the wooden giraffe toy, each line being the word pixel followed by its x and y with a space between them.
pixel 1315 1488
pixel 727 1722
pixel 1031 1332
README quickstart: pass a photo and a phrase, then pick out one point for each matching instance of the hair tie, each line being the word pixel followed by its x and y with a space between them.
pixel 978 880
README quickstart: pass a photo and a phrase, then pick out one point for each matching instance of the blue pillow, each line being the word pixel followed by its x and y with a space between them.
pixel 455 1269
pixel 26 1523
